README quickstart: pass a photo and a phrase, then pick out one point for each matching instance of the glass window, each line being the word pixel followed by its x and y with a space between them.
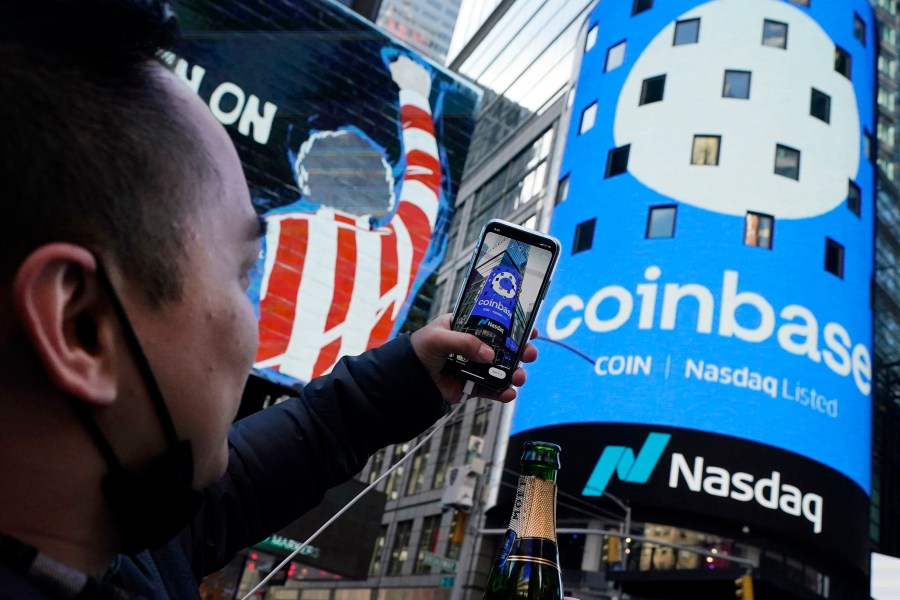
pixel 775 34
pixel 705 150
pixel 375 564
pixel 736 84
pixel 584 236
pixel 887 35
pixel 562 190
pixel 392 488
pixel 787 162
pixel 653 89
pixel 446 452
pixel 859 29
pixel 431 527
pixel 842 61
pixel 820 105
pixel 588 117
pixel 886 133
pixel 661 222
pixel 854 198
pixel 400 550
pixel 834 257
pixel 799 2
pixel 640 6
pixel 887 65
pixel 888 5
pixel 617 161
pixel 377 462
pixel 758 230
pixel 869 143
pixel 416 481
pixel 686 32
pixel 591 38
pixel 615 56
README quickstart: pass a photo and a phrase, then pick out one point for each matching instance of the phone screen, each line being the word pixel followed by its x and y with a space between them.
pixel 501 294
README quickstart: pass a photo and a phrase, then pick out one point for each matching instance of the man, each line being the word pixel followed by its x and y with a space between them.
pixel 126 334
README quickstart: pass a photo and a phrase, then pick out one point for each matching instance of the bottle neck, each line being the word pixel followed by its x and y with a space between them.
pixel 539 470
pixel 534 511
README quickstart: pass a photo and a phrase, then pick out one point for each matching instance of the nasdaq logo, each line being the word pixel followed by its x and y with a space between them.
pixel 622 461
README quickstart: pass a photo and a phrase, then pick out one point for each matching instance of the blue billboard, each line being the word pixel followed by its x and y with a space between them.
pixel 498 297
pixel 717 231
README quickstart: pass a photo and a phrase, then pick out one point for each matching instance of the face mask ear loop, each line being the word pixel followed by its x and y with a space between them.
pixel 84 415
pixel 140 359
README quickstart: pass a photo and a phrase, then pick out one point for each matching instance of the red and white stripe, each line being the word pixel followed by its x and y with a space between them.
pixel 333 287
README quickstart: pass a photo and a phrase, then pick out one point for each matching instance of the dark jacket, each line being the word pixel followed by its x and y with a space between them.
pixel 282 460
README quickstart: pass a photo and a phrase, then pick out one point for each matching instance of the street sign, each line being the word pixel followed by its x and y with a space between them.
pixel 447 581
pixel 441 562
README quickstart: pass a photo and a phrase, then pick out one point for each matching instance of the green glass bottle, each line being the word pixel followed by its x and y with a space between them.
pixel 527 566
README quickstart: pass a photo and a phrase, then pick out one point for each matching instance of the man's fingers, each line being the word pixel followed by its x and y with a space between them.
pixel 530 354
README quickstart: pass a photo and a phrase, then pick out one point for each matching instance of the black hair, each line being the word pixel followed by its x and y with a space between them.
pixel 92 150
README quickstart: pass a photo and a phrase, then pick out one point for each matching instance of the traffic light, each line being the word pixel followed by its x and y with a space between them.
pixel 743 587
pixel 611 550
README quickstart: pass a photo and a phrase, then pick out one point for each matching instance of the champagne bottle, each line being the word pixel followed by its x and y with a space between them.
pixel 527 566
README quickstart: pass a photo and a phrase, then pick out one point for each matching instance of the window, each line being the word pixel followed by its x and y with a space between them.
pixel 377 462
pixel 416 481
pixel 686 32
pixel 775 34
pixel 584 236
pixel 401 548
pixel 705 150
pixel 736 85
pixel 431 527
pixel 820 105
pixel 591 38
pixel 758 230
pixel 562 190
pixel 652 89
pixel 617 161
pixel 842 61
pixel 888 5
pixel 661 222
pixel 375 564
pixel 640 6
pixel 887 35
pixel 886 133
pixel 800 2
pixel 854 198
pixel 859 29
pixel 392 488
pixel 787 162
pixel 887 66
pixel 869 145
pixel 588 117
pixel 615 56
pixel 834 257
pixel 446 452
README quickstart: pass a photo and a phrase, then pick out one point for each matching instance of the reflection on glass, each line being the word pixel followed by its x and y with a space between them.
pixel 686 32
pixel 775 34
pixel 820 105
pixel 758 230
pixel 705 150
pixel 737 84
pixel 787 162
pixel 661 222
pixel 588 117
pixel 615 56
pixel 591 38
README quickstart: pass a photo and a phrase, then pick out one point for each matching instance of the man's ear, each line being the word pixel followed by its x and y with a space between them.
pixel 67 317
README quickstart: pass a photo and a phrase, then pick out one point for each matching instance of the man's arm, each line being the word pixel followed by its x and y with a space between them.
pixel 284 459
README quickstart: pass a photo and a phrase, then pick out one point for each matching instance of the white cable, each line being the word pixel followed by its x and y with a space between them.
pixel 467 391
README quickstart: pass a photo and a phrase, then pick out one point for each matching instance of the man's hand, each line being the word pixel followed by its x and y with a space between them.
pixel 410 75
pixel 436 341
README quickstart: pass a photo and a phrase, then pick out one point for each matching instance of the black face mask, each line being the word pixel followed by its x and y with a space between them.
pixel 152 505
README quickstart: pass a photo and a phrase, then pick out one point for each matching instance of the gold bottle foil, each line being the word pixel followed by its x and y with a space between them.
pixel 534 512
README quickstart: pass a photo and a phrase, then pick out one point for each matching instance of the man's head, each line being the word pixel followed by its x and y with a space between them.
pixel 106 156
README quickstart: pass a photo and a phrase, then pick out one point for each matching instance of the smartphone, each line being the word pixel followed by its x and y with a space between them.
pixel 505 284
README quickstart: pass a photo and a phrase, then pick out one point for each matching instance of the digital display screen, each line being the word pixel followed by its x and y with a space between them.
pixel 724 284
pixel 499 298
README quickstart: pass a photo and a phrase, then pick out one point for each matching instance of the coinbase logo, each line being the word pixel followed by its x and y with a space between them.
pixel 622 461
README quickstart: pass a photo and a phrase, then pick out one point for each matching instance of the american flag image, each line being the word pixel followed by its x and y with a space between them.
pixel 332 285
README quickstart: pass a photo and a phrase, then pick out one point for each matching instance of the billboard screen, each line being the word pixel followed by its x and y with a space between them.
pixel 718 251
pixel 353 147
